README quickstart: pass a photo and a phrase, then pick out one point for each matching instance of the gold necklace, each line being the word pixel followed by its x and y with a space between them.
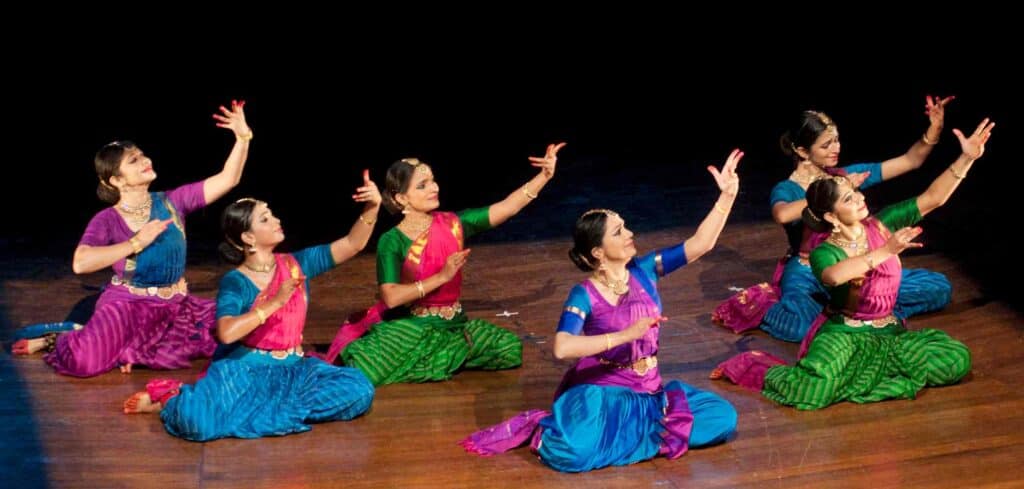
pixel 262 267
pixel 618 287
pixel 140 213
pixel 807 180
pixel 857 246
pixel 417 230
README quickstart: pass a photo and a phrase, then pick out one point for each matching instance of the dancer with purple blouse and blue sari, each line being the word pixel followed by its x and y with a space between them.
pixel 612 407
pixel 145 316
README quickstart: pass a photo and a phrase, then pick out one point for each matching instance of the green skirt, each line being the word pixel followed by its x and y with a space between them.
pixel 426 349
pixel 868 366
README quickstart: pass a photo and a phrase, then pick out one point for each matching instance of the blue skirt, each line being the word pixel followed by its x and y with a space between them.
pixel 594 426
pixel 250 394
pixel 803 298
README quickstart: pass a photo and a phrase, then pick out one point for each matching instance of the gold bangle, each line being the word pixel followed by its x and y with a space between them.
pixel 136 245
pixel 419 288
pixel 929 142
pixel 259 313
pixel 246 137
pixel 871 261
pixel 958 176
pixel 607 341
pixel 366 221
pixel 528 194
pixel 723 210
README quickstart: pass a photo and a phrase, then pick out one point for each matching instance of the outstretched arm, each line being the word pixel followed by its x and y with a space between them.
pixel 352 243
pixel 711 227
pixel 943 187
pixel 935 109
pixel 216 186
pixel 511 205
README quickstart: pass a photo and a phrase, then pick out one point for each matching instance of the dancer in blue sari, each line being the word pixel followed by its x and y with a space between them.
pixel 786 307
pixel 260 383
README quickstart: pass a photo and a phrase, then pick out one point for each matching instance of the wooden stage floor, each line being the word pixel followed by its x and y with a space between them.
pixel 64 432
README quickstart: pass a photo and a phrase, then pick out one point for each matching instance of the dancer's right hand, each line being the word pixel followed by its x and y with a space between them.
pixel 454 263
pixel 903 239
pixel 149 231
pixel 857 179
pixel 284 294
pixel 639 328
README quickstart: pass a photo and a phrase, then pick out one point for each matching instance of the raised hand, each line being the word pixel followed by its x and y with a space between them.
pixel 234 119
pixel 550 159
pixel 974 146
pixel 727 179
pixel 368 192
pixel 935 108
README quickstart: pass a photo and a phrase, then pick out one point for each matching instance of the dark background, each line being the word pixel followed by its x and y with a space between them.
pixel 645 97
pixel 644 111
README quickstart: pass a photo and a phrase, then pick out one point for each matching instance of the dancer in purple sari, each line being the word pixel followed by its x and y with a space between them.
pixel 145 315
pixel 611 407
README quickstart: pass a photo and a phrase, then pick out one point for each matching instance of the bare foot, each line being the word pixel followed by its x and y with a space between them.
pixel 126 368
pixel 141 403
pixel 28 347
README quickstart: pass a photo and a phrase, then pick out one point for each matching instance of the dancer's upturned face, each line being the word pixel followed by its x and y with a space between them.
pixel 851 207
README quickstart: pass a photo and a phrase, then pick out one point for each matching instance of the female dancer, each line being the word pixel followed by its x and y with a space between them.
pixel 259 383
pixel 146 315
pixel 859 350
pixel 611 407
pixel 427 336
pixel 786 308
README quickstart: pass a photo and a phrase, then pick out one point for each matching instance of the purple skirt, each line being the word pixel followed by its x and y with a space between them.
pixel 149 331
